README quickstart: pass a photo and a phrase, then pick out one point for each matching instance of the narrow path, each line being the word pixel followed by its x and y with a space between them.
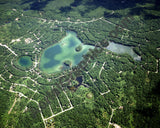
pixel 101 69
pixel 104 92
pixel 15 100
pixel 22 95
pixel 36 62
pixel 36 36
pixel 92 67
pixel 108 21
pixel 157 65
pixel 40 113
pixel 59 103
pixel 114 24
pixel 79 22
pixel 67 21
pixel 111 116
pixel 62 111
pixel 31 79
pixel 1 88
pixel 2 78
pixel 25 109
pixel 51 109
pixel 8 49
pixel 115 125
pixel 68 99
pixel 154 30
pixel 102 80
pixel 93 80
pixel 58 113
pixel 23 85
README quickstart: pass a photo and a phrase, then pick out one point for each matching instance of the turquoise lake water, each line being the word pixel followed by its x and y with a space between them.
pixel 53 58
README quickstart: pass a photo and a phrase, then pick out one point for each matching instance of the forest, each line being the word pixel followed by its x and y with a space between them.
pixel 105 89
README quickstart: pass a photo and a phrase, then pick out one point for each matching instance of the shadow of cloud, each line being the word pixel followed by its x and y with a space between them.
pixel 156 90
pixel 76 3
pixel 142 11
pixel 136 11
pixel 157 4
pixel 36 4
pixel 27 1
pixel 147 113
pixel 39 5
pixel 111 5
pixel 150 16
pixel 65 9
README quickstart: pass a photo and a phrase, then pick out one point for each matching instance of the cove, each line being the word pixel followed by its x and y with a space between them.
pixel 121 49
pixel 63 54
pixel 25 61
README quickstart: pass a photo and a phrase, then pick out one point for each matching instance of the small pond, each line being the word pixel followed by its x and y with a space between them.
pixel 121 49
pixel 25 61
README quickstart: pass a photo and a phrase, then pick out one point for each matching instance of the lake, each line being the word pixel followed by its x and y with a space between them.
pixel 56 57
pixel 121 49
pixel 25 61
